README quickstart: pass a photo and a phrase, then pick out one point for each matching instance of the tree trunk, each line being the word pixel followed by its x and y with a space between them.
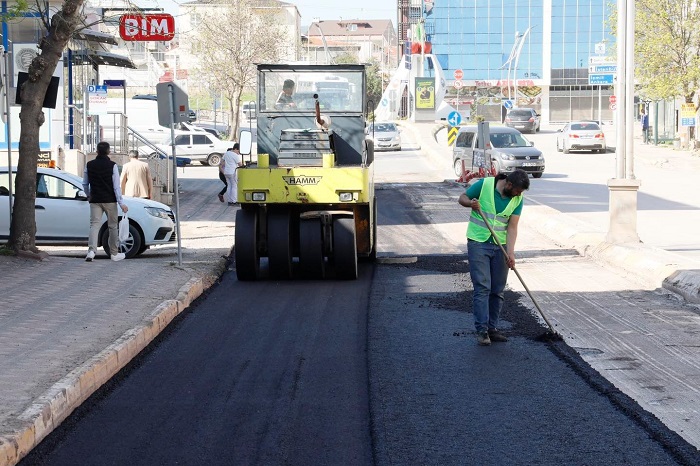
pixel 63 24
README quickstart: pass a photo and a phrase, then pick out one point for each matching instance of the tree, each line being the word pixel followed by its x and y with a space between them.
pixel 374 84
pixel 61 27
pixel 667 48
pixel 232 38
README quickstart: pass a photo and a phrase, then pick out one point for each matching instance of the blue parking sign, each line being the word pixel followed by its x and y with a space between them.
pixel 508 104
pixel 454 118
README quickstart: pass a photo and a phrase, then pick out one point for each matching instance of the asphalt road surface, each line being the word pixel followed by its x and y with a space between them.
pixel 382 370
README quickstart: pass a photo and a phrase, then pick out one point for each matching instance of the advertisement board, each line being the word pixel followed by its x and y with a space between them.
pixel 425 93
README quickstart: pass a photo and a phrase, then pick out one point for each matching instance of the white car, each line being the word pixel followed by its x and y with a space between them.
pixel 196 145
pixel 581 135
pixel 386 135
pixel 63 215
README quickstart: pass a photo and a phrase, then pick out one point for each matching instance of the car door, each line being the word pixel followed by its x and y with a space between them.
pixel 183 145
pixel 202 145
pixel 62 212
pixel 4 206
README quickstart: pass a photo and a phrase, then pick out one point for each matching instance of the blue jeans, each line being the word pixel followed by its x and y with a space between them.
pixel 489 273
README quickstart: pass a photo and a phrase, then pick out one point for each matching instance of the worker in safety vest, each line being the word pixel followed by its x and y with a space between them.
pixel 501 201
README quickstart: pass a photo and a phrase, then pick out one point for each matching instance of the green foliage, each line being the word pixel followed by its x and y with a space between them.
pixel 374 84
pixel 347 58
pixel 15 10
pixel 479 118
pixel 667 47
pixel 5 251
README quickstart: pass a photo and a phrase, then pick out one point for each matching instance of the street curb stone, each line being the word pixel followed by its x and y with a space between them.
pixel 57 403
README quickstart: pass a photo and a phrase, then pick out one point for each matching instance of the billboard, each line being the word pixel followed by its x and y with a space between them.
pixel 425 93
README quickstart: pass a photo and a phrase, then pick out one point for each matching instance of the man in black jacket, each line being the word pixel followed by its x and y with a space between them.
pixel 102 187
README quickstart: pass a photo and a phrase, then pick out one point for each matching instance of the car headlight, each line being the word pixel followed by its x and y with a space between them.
pixel 345 197
pixel 506 156
pixel 157 212
pixel 259 196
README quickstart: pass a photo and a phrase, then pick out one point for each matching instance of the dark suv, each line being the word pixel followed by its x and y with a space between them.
pixel 523 119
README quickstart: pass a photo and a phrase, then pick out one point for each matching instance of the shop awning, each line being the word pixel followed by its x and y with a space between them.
pixel 94 57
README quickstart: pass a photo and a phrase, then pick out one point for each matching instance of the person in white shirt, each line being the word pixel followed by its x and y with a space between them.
pixel 231 161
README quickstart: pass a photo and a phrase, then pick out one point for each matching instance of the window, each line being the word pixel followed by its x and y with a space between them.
pixel 465 139
pixel 200 139
pixel 182 140
pixel 50 186
pixel 4 184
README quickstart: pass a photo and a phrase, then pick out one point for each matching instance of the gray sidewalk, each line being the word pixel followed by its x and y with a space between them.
pixel 67 326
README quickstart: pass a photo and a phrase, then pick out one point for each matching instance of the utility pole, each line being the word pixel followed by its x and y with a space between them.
pixel 623 188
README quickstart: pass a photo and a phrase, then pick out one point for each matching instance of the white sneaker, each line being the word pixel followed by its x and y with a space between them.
pixel 90 256
pixel 118 257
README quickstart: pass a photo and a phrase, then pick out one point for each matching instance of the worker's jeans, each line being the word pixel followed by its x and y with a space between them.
pixel 489 273
pixel 96 211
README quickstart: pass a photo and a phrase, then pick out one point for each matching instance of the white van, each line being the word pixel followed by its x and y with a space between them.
pixel 142 117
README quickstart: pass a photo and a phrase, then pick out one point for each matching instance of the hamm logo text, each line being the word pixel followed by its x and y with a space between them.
pixel 302 180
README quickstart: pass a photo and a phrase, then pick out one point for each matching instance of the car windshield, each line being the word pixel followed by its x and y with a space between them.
pixel 501 140
pixel 585 127
pixel 293 90
pixel 385 127
pixel 521 113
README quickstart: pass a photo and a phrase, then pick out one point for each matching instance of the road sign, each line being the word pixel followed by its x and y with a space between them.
pixel 600 60
pixel 454 119
pixel 612 99
pixel 613 106
pixel 459 74
pixel 508 104
pixel 602 68
pixel 594 79
pixel 457 84
pixel 452 135
pixel 180 104
pixel 97 100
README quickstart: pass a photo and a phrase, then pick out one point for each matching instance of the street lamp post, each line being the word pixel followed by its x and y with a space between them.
pixel 623 188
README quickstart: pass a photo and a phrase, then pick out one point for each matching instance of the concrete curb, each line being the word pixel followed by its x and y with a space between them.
pixel 652 266
pixel 57 403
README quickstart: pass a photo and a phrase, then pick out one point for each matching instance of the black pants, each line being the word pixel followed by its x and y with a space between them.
pixel 223 178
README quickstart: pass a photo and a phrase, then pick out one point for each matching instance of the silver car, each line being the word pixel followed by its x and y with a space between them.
pixel 62 214
pixel 508 149
pixel 386 135
pixel 581 135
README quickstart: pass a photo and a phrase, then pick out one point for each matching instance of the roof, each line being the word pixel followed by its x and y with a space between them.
pixel 362 27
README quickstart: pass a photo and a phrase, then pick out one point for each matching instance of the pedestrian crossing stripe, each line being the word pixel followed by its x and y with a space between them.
pixel 452 134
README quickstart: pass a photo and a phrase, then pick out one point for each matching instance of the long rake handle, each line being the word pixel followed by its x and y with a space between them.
pixel 505 254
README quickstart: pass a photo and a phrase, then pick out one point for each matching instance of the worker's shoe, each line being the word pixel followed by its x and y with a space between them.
pixel 496 336
pixel 221 198
pixel 483 338
pixel 118 257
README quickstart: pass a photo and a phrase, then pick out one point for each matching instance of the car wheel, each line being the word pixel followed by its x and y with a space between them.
pixel 458 167
pixel 537 175
pixel 131 247
pixel 214 160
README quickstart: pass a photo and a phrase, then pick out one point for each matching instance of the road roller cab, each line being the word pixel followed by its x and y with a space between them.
pixel 308 208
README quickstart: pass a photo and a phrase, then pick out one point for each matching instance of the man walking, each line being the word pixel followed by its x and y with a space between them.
pixel 645 126
pixel 101 185
pixel 501 202
pixel 136 177
pixel 231 161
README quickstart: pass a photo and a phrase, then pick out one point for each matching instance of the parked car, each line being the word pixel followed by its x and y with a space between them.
pixel 386 135
pixel 508 149
pixel 523 119
pixel 197 145
pixel 581 135
pixel 62 215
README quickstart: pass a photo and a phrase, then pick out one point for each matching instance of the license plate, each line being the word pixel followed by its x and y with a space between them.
pixel 529 164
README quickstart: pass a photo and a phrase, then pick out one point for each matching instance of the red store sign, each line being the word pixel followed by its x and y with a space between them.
pixel 155 27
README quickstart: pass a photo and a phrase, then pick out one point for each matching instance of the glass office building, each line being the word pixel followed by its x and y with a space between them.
pixel 559 39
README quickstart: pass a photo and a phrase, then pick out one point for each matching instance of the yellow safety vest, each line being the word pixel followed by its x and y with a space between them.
pixel 477 229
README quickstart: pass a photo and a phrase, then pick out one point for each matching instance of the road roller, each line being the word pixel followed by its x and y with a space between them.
pixel 307 203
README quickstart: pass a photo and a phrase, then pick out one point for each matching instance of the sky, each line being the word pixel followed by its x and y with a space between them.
pixel 322 9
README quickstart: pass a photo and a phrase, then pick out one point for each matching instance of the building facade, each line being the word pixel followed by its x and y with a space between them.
pixel 533 53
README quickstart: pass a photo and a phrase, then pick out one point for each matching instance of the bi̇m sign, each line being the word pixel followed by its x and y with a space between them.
pixel 154 27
